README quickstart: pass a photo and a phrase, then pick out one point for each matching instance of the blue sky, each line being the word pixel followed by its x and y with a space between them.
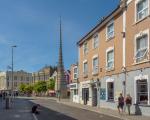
pixel 33 25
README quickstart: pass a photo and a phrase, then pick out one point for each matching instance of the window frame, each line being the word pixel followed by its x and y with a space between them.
pixel 107 51
pixel 141 77
pixel 137 36
pixel 75 67
pixel 94 45
pixel 85 72
pixel 93 67
pixel 85 49
pixel 136 12
pixel 108 37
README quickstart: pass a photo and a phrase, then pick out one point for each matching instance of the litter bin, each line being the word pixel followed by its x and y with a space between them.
pixel 7 103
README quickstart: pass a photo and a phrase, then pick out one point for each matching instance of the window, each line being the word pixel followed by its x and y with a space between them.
pixel 95 41
pixel 75 72
pixel 142 91
pixel 85 48
pixel 95 65
pixel 21 78
pixel 15 77
pixel 85 68
pixel 110 30
pixel 110 59
pixel 7 84
pixel 15 84
pixel 141 48
pixel 27 78
pixel 142 9
pixel 110 91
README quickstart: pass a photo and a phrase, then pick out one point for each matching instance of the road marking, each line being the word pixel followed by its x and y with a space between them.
pixel 34 116
pixel 17 116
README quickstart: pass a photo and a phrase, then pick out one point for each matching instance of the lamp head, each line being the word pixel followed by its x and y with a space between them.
pixel 14 46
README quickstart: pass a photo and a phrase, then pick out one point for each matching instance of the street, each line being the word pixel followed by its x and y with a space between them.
pixel 52 110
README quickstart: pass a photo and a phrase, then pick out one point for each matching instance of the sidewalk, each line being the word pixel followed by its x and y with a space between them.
pixel 20 111
pixel 104 111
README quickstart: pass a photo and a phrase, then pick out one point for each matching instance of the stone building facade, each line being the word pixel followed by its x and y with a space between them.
pixel 42 75
pixel 19 77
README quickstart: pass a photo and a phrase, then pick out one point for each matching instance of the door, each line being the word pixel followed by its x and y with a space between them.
pixel 85 95
pixel 94 96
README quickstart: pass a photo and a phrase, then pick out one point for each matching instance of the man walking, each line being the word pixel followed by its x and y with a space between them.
pixel 120 103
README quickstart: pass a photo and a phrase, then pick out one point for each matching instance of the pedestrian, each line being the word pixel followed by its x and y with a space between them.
pixel 120 103
pixel 128 101
pixel 34 109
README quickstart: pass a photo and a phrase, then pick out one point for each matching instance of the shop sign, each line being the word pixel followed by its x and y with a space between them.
pixel 73 86
pixel 85 85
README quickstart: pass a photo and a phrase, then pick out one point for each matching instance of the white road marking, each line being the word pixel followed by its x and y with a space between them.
pixel 17 116
pixel 34 116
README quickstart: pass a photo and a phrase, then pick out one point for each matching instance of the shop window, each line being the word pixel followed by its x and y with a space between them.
pixel 110 91
pixel 142 91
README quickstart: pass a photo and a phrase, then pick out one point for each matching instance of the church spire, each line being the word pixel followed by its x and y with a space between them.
pixel 61 80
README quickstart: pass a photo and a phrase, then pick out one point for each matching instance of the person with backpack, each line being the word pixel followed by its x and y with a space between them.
pixel 120 103
pixel 128 101
pixel 34 109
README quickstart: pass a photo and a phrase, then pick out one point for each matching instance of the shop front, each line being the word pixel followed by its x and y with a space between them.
pixel 74 92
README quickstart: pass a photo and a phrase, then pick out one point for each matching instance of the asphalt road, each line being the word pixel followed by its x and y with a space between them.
pixel 51 110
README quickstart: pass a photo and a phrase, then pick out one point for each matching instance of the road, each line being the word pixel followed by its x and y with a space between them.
pixel 52 110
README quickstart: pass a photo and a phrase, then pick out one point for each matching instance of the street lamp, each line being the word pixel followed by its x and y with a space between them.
pixel 124 82
pixel 12 50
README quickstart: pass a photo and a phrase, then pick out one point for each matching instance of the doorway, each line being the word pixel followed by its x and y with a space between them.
pixel 85 95
pixel 94 96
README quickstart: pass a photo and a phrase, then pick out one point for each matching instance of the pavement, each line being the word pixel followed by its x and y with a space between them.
pixel 104 111
pixel 19 110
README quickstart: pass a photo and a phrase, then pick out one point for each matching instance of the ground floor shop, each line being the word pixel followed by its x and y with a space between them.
pixel 104 92
pixel 74 96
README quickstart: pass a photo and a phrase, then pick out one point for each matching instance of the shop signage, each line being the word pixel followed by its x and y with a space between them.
pixel 73 86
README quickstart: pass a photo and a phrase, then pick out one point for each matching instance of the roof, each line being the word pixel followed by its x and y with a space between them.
pixel 102 22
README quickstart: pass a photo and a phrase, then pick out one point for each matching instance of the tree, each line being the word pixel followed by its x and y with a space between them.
pixel 51 84
pixel 28 89
pixel 22 88
pixel 40 87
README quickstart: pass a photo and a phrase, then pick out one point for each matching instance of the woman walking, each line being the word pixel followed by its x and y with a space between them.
pixel 128 101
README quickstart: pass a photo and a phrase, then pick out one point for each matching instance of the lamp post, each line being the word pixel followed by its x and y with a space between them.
pixel 124 83
pixel 12 50
pixel 98 84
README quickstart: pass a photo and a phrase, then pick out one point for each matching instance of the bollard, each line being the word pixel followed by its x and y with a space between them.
pixel 7 103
